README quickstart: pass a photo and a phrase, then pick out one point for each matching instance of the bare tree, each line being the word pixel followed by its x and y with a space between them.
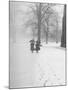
pixel 41 14
pixel 55 23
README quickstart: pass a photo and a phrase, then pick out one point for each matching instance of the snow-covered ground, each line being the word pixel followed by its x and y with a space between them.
pixel 45 68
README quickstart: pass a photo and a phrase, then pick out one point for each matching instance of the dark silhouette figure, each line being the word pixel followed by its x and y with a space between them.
pixel 32 43
pixel 37 46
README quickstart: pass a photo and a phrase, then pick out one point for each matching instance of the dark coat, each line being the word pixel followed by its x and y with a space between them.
pixel 37 47
pixel 32 46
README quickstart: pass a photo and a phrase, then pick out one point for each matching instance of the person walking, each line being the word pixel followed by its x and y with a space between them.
pixel 37 46
pixel 32 43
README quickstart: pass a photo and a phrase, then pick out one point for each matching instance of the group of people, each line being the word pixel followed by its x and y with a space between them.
pixel 35 45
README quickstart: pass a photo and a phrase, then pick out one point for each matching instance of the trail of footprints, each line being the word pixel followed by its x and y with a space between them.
pixel 47 76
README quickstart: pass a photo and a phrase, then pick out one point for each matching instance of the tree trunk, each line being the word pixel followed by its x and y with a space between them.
pixel 39 21
pixel 57 33
pixel 47 36
pixel 47 31
pixel 63 37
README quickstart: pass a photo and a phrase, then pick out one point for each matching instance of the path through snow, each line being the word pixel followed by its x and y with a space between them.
pixel 31 69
